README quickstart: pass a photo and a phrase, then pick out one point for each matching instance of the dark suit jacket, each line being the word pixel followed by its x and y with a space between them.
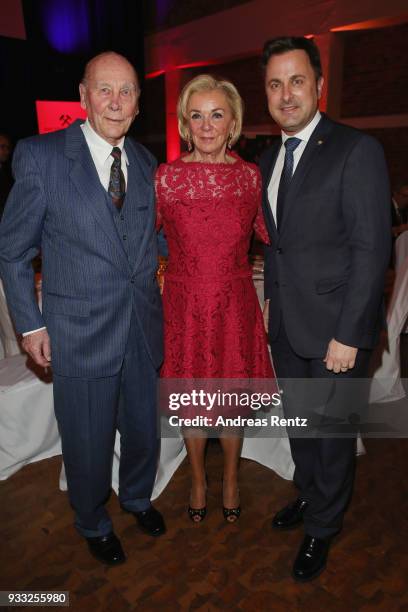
pixel 90 284
pixel 324 270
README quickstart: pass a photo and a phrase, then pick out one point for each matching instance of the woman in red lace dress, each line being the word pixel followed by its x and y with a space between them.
pixel 209 203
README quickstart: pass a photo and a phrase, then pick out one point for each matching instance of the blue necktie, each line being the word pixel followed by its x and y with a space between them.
pixel 286 177
pixel 117 186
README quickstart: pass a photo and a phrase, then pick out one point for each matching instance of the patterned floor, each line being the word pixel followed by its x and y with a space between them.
pixel 214 566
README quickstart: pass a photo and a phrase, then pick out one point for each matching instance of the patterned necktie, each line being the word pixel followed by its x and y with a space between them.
pixel 117 185
pixel 286 176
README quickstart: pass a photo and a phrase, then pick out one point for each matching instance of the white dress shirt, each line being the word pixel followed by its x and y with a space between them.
pixel 100 151
pixel 304 136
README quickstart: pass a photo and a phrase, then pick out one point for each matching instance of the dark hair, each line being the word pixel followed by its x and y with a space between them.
pixel 276 46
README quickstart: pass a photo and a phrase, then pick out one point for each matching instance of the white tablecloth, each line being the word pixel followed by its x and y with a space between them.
pixel 28 429
pixel 401 250
pixel 386 385
pixel 9 344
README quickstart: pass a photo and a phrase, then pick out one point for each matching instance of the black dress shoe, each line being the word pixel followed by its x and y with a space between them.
pixel 107 549
pixel 311 558
pixel 151 521
pixel 291 516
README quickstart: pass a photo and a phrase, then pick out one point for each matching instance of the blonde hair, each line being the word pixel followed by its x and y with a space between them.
pixel 206 82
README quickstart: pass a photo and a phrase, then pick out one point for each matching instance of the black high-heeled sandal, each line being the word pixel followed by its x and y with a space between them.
pixel 231 515
pixel 197 515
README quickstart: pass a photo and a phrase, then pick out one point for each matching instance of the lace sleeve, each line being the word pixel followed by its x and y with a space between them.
pixel 259 223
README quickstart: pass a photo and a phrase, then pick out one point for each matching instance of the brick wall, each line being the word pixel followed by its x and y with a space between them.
pixel 375 74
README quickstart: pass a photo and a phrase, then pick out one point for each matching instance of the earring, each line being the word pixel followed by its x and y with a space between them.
pixel 229 145
pixel 189 144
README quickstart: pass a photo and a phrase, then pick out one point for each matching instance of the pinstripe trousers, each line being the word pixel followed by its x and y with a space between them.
pixel 88 412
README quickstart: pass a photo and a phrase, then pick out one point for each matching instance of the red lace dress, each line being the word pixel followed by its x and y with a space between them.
pixel 212 319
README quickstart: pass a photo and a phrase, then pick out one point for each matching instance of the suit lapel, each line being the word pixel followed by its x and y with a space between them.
pixel 314 147
pixel 267 171
pixel 140 189
pixel 85 178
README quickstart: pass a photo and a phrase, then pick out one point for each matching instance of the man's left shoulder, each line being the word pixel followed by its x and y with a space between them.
pixel 351 136
pixel 143 154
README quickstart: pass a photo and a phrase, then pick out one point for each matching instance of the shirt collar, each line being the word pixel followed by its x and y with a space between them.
pixel 307 131
pixel 101 149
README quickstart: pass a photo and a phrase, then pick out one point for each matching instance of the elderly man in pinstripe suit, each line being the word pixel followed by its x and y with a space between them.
pixel 85 197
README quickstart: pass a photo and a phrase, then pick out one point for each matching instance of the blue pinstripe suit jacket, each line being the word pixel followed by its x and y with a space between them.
pixel 90 285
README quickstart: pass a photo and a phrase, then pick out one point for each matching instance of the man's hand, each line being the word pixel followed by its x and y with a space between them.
pixel 38 346
pixel 340 357
pixel 266 315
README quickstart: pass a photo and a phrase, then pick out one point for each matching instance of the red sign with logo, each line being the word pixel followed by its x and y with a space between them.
pixel 52 116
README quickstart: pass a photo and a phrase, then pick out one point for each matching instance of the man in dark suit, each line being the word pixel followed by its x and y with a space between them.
pixel 85 197
pixel 326 204
pixel 6 179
